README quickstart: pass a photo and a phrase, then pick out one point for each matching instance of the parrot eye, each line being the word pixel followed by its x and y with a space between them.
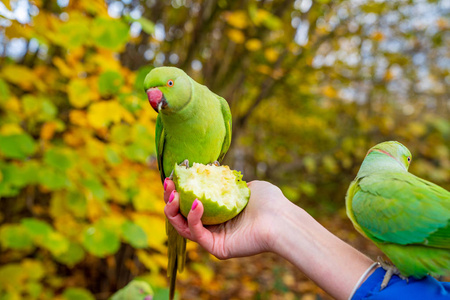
pixel 170 83
pixel 409 159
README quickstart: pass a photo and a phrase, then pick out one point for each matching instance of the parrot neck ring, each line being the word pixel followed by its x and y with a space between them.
pixel 388 154
pixel 156 99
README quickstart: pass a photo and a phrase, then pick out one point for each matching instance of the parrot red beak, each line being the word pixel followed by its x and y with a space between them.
pixel 156 99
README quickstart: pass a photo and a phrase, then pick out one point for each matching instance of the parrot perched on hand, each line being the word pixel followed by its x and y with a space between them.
pixel 193 124
pixel 408 218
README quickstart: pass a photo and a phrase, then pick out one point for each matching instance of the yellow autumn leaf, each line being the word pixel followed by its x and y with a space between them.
pixel 238 19
pixel 95 209
pixel 329 91
pixel 271 54
pixel 106 60
pixel 79 92
pixel 154 226
pixel 377 36
pixel 48 130
pixel 264 69
pixel 253 45
pixel 101 114
pixel 236 36
pixel 97 7
pixel 147 200
pixel 63 67
pixel 260 16
pixel 17 30
pixel 78 117
pixel 10 129
pixel 205 272
pixel 94 148
pixel 442 23
pixel 20 75
pixel 74 138
pixel 13 105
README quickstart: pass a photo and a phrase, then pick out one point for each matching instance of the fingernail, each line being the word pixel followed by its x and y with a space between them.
pixel 194 204
pixel 172 195
pixel 165 183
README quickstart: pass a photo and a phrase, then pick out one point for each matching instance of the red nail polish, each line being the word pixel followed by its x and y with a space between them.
pixel 172 196
pixel 194 204
pixel 165 183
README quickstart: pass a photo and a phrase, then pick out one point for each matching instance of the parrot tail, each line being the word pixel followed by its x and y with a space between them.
pixel 177 256
pixel 173 281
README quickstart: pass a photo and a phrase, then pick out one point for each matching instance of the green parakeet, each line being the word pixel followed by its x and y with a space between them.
pixel 193 124
pixel 134 290
pixel 407 217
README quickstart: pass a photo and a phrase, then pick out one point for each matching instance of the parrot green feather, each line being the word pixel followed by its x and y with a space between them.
pixel 193 124
pixel 407 217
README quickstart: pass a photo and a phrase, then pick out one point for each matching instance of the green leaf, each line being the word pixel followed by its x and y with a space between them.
pixel 9 186
pixel 12 275
pixel 18 146
pixel 77 294
pixel 48 110
pixel 73 255
pixel 100 240
pixel 136 152
pixel 120 133
pixel 112 156
pixel 58 159
pixel 40 108
pixel 36 228
pixel 53 179
pixel 147 25
pixel 96 188
pixel 56 243
pixel 44 235
pixel 109 83
pixel 33 288
pixel 77 203
pixel 15 236
pixel 4 91
pixel 140 76
pixel 134 235
pixel 109 33
pixel 75 32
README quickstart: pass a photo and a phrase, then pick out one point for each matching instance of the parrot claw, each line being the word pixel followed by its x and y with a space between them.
pixel 185 163
pixel 390 271
pixel 215 163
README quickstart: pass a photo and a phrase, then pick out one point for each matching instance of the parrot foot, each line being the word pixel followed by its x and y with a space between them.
pixel 215 163
pixel 390 271
pixel 185 163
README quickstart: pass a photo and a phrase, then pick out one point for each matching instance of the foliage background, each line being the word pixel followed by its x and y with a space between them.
pixel 312 86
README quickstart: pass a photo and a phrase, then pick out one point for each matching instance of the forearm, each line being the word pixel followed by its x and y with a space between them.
pixel 331 263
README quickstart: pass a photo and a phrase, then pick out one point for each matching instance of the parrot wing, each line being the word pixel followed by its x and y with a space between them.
pixel 228 120
pixel 401 208
pixel 159 142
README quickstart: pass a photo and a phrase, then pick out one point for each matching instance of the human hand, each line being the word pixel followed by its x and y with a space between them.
pixel 249 233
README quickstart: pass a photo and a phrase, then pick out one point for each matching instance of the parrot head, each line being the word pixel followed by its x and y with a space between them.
pixel 395 150
pixel 168 89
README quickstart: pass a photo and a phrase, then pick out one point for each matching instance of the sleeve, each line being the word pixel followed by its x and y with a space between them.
pixel 415 289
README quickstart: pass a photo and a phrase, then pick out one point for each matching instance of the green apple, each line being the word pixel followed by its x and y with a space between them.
pixel 221 190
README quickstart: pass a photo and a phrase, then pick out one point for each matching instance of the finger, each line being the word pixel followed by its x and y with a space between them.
pixel 172 212
pixel 169 186
pixel 199 233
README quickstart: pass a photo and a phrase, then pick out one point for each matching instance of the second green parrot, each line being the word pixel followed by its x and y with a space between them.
pixel 193 124
pixel 407 217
